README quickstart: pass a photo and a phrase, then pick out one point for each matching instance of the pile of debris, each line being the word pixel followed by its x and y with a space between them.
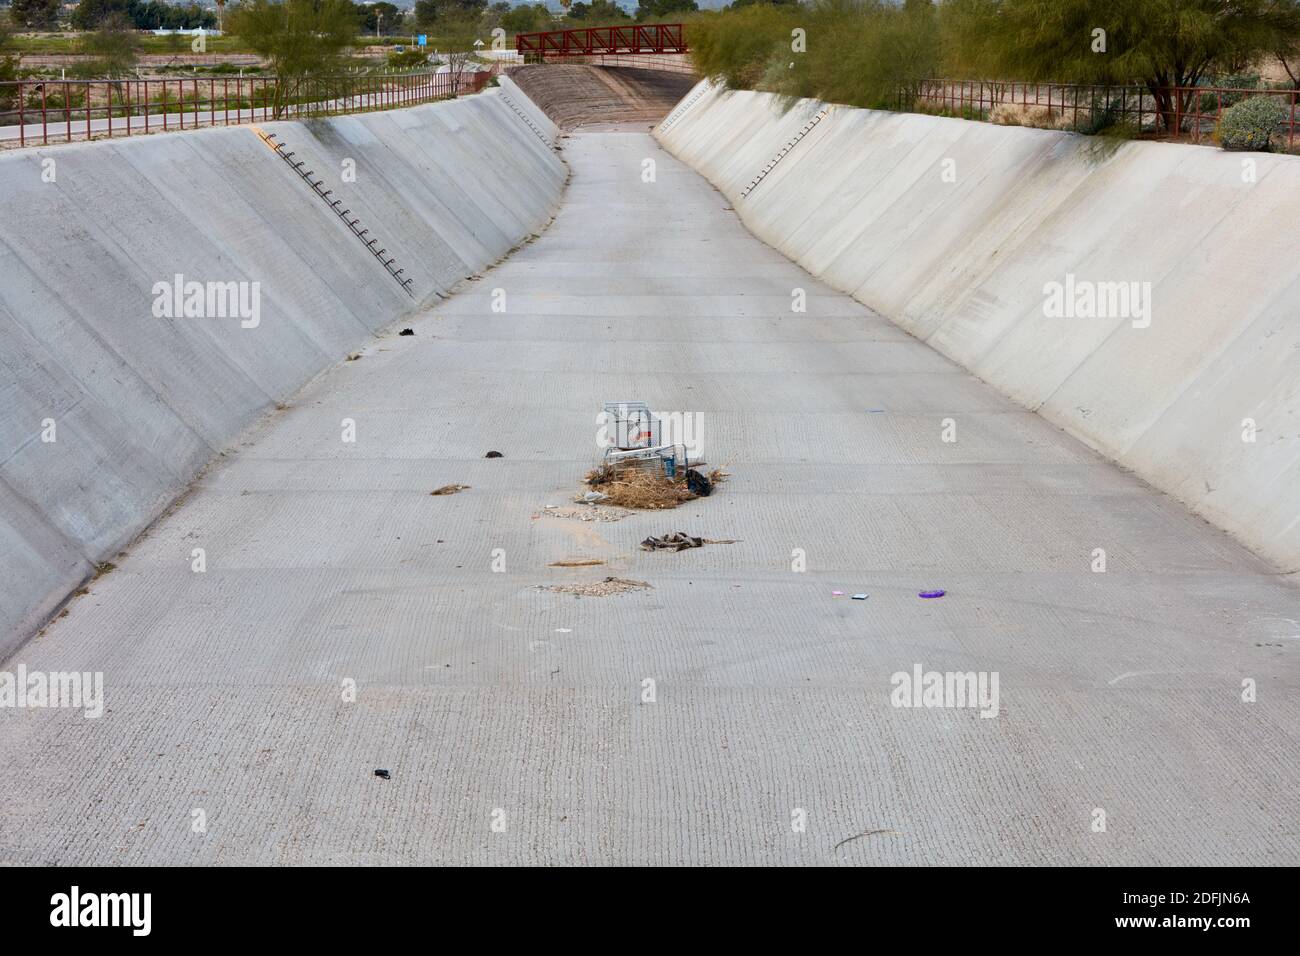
pixel 641 472
pixel 610 585
pixel 628 486
pixel 449 489
pixel 587 513
pixel 679 541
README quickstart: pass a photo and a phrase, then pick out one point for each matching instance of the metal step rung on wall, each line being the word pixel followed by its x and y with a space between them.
pixel 681 109
pixel 785 151
pixel 523 116
pixel 287 156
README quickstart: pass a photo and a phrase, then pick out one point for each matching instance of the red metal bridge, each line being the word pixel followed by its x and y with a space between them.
pixel 597 41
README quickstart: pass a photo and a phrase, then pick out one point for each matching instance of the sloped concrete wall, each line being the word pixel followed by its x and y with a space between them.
pixel 136 404
pixel 955 229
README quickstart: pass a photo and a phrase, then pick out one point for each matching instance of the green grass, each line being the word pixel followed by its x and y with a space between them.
pixel 69 43
pixel 54 43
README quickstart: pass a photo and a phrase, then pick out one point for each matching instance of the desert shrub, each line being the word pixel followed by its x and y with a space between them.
pixel 408 59
pixel 57 96
pixel 1250 124
pixel 1031 114
pixel 1232 81
pixel 857 52
pixel 966 112
pixel 1104 116
pixel 734 47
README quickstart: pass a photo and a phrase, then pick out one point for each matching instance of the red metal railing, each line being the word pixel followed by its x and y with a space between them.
pixel 38 112
pixel 1187 113
pixel 637 38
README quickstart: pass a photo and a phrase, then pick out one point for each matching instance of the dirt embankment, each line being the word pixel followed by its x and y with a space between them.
pixel 575 95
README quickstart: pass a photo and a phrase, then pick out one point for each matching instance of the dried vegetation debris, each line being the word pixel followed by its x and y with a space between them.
pixel 649 489
pixel 586 513
pixel 680 541
pixel 449 489
pixel 611 585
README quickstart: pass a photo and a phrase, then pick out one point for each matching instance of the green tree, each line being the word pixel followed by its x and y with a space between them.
pixel 8 69
pixel 301 41
pixel 156 14
pixel 454 24
pixel 660 10
pixel 457 29
pixel 89 14
pixel 384 16
pixel 526 18
pixel 907 48
pixel 34 14
pixel 142 14
pixel 426 13
pixel 598 13
pixel 1288 55
pixel 737 47
pixel 859 52
pixel 969 41
pixel 1164 45
pixel 112 48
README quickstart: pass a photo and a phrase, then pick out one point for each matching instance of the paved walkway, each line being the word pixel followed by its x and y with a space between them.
pixel 513 720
